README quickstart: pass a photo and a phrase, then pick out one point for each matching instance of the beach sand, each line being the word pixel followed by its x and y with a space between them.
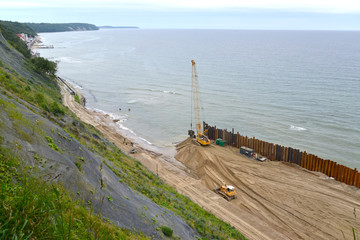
pixel 275 200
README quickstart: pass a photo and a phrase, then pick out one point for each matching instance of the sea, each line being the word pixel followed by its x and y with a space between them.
pixel 300 89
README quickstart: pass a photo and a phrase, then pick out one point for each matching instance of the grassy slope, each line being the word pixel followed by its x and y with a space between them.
pixel 34 209
pixel 46 96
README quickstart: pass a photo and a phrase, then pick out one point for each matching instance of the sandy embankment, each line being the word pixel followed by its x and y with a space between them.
pixel 275 200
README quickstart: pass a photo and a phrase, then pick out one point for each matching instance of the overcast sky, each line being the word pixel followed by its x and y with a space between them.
pixel 218 14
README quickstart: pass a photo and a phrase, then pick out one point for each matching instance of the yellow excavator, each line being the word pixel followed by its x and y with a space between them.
pixel 201 137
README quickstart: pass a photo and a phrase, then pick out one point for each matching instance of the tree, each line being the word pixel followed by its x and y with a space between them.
pixel 43 65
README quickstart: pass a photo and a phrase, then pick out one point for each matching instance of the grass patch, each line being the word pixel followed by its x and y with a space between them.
pixel 33 209
pixel 77 99
pixel 45 95
pixel 79 165
pixel 51 143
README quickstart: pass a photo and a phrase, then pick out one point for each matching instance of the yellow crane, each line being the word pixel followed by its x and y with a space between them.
pixel 200 136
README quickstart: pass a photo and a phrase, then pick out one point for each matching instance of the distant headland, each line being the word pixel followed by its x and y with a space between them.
pixel 61 27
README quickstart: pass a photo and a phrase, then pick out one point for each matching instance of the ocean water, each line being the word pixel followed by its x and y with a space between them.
pixel 296 88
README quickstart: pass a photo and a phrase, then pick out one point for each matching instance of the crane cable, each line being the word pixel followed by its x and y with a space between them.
pixel 191 93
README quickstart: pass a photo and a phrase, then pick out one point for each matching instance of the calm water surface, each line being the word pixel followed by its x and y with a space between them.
pixel 295 88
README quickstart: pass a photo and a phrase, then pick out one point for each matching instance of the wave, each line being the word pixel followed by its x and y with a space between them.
pixel 67 60
pixel 132 101
pixel 295 128
pixel 120 120
pixel 115 117
pixel 153 90
pixel 142 141
pixel 170 92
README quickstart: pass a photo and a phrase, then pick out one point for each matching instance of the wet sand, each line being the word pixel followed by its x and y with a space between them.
pixel 275 200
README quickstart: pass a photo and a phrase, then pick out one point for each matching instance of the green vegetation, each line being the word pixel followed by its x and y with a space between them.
pixel 42 65
pixel 51 143
pixel 34 209
pixel 79 163
pixel 60 27
pixel 167 231
pixel 44 95
pixel 9 31
pixel 77 99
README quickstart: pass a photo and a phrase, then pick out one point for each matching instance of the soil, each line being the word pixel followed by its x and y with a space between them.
pixel 275 200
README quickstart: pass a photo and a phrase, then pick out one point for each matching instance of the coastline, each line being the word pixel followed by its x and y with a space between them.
pixel 275 200
pixel 172 172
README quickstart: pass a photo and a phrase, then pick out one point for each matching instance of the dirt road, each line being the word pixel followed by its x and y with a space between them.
pixel 275 200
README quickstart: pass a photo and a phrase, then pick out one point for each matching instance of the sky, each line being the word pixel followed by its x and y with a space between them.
pixel 194 14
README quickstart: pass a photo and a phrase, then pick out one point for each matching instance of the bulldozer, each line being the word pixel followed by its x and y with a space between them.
pixel 226 191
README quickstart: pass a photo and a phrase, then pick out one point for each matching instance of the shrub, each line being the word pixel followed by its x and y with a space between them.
pixel 79 165
pixel 42 65
pixel 56 109
pixel 167 231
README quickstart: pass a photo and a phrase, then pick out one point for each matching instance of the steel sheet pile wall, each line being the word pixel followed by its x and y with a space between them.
pixel 276 152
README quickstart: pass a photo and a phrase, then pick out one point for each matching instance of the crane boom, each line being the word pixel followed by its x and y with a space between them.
pixel 200 136
pixel 195 89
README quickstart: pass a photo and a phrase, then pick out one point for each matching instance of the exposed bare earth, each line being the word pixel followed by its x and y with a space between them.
pixel 275 200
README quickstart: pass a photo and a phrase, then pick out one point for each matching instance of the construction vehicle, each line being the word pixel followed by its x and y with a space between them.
pixel 226 191
pixel 200 136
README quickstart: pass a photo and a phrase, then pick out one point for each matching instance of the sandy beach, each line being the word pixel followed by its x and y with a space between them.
pixel 275 200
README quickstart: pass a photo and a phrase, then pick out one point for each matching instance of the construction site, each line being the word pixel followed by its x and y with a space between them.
pixel 267 200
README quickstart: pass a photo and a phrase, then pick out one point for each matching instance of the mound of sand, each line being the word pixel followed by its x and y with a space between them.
pixel 287 201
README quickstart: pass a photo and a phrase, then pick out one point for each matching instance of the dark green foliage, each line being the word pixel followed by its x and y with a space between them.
pixel 167 231
pixel 79 165
pixel 9 31
pixel 61 27
pixel 42 65
pixel 17 27
pixel 56 109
